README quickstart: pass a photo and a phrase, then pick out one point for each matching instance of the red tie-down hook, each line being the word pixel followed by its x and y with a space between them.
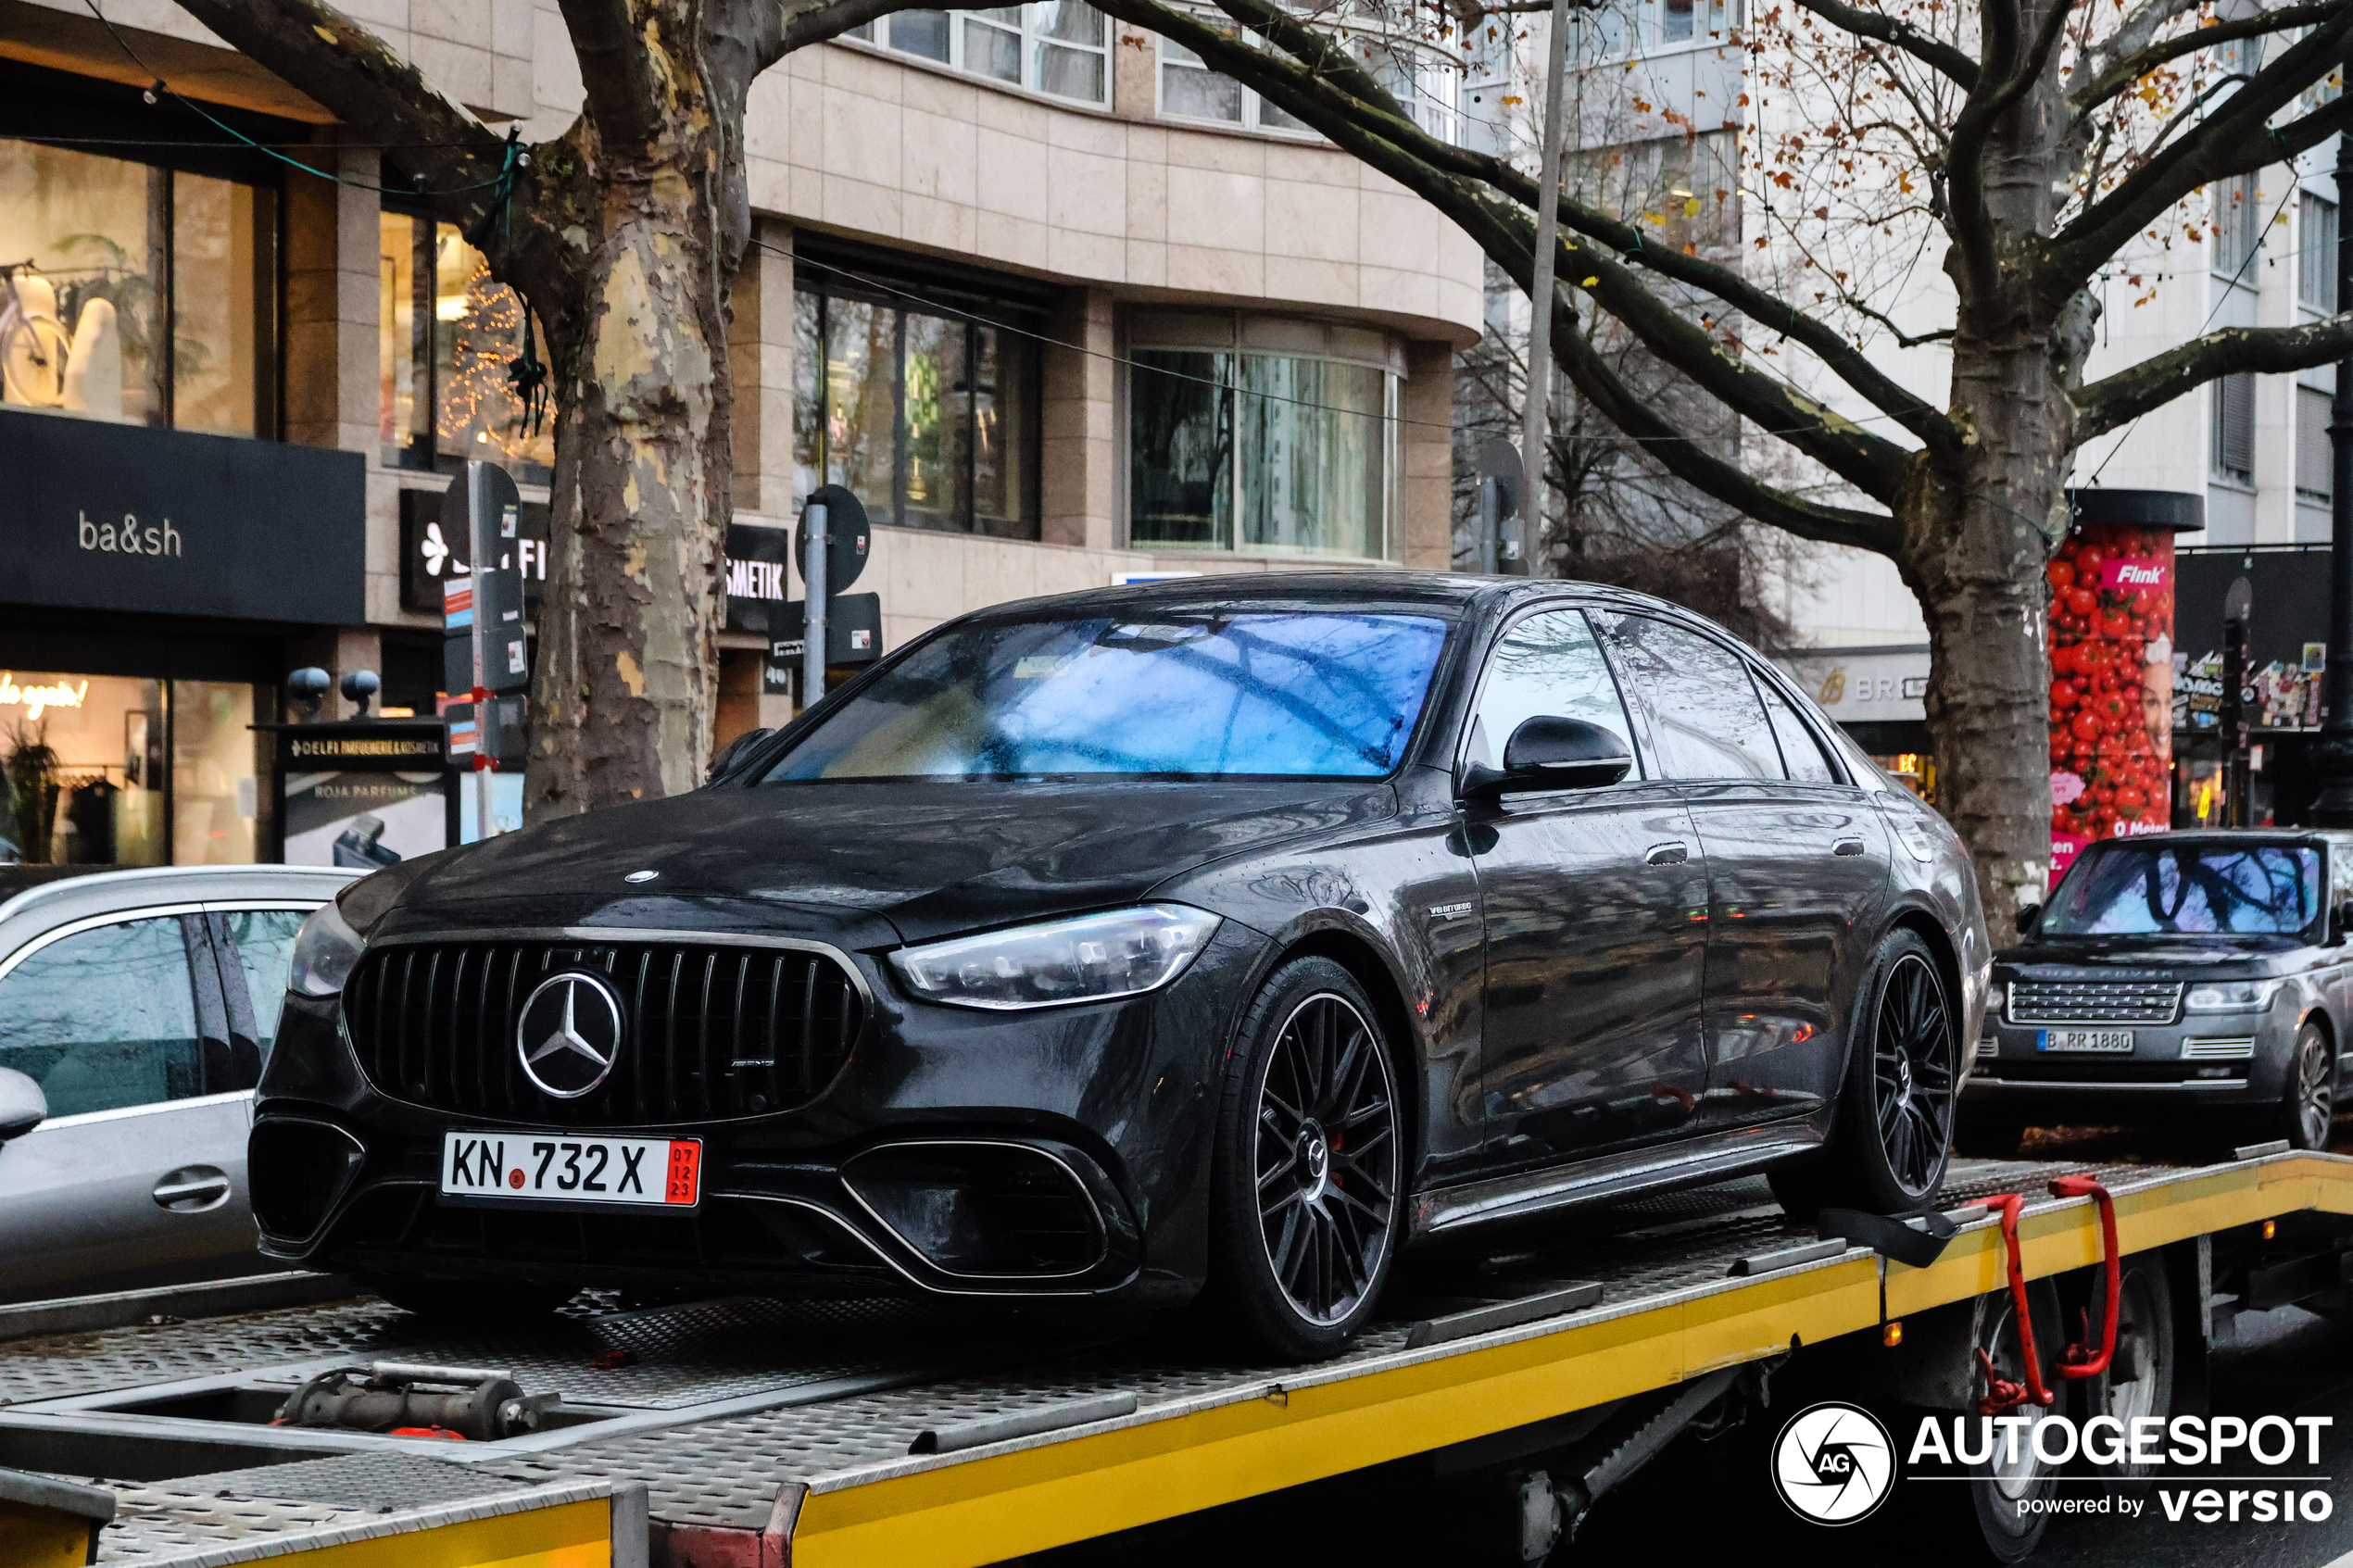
pixel 2001 1395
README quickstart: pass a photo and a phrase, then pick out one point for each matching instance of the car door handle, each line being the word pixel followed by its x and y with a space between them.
pixel 1672 853
pixel 1847 847
pixel 193 1190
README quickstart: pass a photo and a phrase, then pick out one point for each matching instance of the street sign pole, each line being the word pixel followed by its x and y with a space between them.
pixel 2334 806
pixel 1520 553
pixel 483 548
pixel 814 569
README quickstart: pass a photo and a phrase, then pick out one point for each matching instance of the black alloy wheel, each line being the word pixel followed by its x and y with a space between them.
pixel 1892 1133
pixel 1912 1063
pixel 1311 1163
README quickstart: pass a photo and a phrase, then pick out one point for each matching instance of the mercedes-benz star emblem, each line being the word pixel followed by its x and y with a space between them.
pixel 568 1034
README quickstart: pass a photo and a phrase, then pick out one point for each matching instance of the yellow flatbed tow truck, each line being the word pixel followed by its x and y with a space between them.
pixel 208 1429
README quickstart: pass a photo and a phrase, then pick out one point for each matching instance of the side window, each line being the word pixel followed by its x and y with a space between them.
pixel 105 1018
pixel 1705 716
pixel 1546 666
pixel 1799 748
pixel 264 942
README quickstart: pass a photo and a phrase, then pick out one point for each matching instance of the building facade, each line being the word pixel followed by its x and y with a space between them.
pixel 1056 303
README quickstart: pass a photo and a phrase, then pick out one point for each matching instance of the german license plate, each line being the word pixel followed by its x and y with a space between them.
pixel 545 1167
pixel 2120 1040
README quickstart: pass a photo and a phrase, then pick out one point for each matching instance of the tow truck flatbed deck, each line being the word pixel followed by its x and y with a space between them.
pixel 919 1432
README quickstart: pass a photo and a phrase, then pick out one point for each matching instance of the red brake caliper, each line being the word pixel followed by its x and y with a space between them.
pixel 2001 1395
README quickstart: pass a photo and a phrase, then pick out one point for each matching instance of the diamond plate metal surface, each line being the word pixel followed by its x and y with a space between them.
pixel 371 1482
pixel 154 1523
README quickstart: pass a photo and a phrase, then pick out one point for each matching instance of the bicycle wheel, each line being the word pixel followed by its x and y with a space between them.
pixel 32 359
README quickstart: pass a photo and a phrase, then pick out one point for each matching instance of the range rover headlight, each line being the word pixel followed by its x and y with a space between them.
pixel 2231 996
pixel 324 951
pixel 1089 959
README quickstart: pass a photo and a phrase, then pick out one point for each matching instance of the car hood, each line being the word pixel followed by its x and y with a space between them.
pixel 870 863
pixel 2243 956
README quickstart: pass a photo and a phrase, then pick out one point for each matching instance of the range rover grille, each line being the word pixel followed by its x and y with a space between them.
pixel 708 1031
pixel 2093 1001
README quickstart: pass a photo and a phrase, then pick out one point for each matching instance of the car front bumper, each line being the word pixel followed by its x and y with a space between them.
pixel 1059 1152
pixel 2200 1061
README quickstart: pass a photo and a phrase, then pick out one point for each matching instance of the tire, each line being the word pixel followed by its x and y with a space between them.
pixel 2139 1381
pixel 2307 1104
pixel 1975 1518
pixel 1891 1132
pixel 1307 1184
pixel 483 1302
pixel 34 351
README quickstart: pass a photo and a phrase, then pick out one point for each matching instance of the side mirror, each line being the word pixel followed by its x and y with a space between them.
pixel 22 1105
pixel 2027 918
pixel 1550 753
pixel 735 751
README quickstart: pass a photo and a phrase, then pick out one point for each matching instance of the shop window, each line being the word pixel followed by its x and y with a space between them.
pixel 1058 47
pixel 116 771
pixel 1289 454
pixel 446 333
pixel 150 296
pixel 926 415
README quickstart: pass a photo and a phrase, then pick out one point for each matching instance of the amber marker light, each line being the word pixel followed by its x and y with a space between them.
pixel 1892 1334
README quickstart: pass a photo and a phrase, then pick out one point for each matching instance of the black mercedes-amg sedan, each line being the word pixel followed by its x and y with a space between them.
pixel 1234 934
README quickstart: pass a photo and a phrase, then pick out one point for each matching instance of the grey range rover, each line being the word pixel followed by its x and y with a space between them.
pixel 2180 976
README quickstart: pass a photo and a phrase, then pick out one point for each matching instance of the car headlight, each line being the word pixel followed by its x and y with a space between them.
pixel 2231 996
pixel 1090 958
pixel 324 951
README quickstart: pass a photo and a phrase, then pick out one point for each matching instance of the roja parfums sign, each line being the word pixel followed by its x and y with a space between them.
pixel 96 515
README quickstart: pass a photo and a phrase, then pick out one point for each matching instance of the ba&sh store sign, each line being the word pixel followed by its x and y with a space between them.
pixel 115 517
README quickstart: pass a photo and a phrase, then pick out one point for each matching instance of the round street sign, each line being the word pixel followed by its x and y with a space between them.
pixel 846 538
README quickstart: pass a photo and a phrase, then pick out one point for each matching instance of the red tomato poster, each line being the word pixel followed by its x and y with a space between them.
pixel 2111 686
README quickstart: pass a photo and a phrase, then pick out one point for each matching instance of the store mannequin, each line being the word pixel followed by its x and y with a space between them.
pixel 93 370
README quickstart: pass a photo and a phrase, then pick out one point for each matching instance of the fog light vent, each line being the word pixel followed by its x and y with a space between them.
pixel 982 1209
pixel 298 1170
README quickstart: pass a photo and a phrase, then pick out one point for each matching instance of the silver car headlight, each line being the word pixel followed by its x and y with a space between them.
pixel 2231 996
pixel 324 951
pixel 1089 959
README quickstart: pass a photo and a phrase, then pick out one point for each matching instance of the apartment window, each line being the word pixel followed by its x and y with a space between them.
pixel 2316 253
pixel 2314 466
pixel 1617 28
pixel 446 332
pixel 1261 436
pixel 2234 429
pixel 929 415
pixel 2238 226
pixel 1058 47
pixel 1190 90
pixel 149 294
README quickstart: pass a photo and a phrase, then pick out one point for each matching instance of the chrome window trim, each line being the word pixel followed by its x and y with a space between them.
pixel 91 1118
pixel 92 922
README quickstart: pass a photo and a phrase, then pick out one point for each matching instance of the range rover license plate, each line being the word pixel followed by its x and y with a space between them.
pixel 527 1166
pixel 2117 1040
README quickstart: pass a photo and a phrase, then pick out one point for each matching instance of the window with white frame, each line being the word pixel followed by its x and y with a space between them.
pixel 2234 428
pixel 1058 47
pixel 1190 90
pixel 1425 81
pixel 2237 216
pixel 2316 257
pixel 1618 28
pixel 2314 465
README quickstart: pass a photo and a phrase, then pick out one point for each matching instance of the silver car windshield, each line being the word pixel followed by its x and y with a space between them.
pixel 2123 888
pixel 1286 695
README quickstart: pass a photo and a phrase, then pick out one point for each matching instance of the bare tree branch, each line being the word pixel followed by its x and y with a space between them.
pixel 2238 138
pixel 1932 52
pixel 616 76
pixel 2114 78
pixel 2117 400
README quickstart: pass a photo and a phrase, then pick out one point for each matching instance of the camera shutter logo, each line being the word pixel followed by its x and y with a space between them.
pixel 1833 1463
pixel 570 1034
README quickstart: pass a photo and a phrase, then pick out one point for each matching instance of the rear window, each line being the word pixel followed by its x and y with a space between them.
pixel 2123 888
pixel 1284 694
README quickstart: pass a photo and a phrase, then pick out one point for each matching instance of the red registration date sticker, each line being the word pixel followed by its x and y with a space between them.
pixel 686 1170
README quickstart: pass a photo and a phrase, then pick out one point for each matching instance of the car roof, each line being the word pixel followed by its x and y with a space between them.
pixel 71 897
pixel 1393 590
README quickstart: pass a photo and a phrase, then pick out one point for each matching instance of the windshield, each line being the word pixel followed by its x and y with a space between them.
pixel 1175 695
pixel 2197 890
